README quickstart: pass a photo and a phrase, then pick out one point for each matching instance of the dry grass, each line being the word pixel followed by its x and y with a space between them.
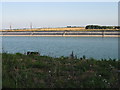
pixel 59 29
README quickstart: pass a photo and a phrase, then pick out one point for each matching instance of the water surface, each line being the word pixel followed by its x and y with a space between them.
pixel 96 47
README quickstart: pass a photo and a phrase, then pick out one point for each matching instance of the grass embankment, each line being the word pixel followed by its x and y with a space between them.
pixel 23 71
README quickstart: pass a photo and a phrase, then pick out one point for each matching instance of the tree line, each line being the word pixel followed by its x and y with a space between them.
pixel 101 27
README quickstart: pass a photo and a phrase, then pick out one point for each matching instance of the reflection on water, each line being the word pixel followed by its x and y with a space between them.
pixel 95 47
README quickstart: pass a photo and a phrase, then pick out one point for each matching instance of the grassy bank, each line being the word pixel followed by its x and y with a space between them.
pixel 60 29
pixel 23 71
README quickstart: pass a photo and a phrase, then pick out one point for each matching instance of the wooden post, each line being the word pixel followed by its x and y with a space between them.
pixel 103 33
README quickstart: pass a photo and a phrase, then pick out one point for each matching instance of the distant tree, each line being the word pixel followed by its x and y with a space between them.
pixel 100 27
pixel 117 27
pixel 68 26
pixel 103 27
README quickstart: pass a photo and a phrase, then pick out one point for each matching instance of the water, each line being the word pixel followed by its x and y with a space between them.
pixel 96 47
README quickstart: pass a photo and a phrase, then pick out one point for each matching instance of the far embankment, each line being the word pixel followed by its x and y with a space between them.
pixel 65 33
pixel 58 29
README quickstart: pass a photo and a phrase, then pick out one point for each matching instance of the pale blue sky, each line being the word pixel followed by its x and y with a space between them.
pixel 59 14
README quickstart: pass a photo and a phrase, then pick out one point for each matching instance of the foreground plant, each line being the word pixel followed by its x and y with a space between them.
pixel 29 71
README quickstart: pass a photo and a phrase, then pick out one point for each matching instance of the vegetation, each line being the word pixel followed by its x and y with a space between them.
pixel 32 71
pixel 101 27
pixel 68 28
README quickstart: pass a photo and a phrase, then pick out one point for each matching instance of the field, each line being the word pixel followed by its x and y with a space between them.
pixel 59 29
pixel 31 71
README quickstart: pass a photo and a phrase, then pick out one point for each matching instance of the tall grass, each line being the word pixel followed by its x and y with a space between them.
pixel 30 71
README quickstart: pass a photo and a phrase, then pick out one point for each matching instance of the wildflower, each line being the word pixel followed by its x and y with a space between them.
pixel 49 71
pixel 68 78
pixel 21 59
pixel 104 80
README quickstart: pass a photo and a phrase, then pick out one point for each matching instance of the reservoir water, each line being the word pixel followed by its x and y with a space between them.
pixel 96 47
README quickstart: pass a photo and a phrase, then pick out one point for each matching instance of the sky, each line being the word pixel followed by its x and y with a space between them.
pixel 58 14
pixel 60 0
